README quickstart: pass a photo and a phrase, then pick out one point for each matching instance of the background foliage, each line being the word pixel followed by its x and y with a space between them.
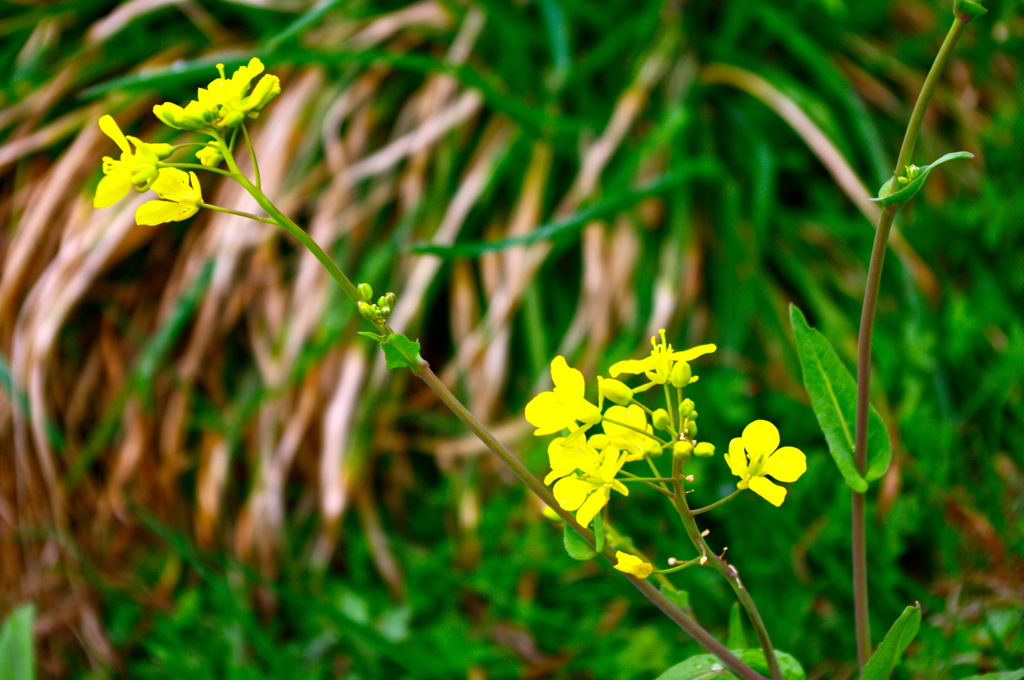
pixel 206 474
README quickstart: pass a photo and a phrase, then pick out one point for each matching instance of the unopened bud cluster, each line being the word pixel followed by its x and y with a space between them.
pixel 374 313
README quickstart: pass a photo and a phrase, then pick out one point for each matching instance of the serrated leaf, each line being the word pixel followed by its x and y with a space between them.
pixel 710 667
pixel 902 633
pixel 17 659
pixel 577 548
pixel 680 598
pixel 833 393
pixel 900 198
pixel 400 351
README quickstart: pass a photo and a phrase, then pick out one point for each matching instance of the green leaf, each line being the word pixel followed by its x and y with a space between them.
pixel 577 548
pixel 17 660
pixel 598 533
pixel 1005 675
pixel 902 633
pixel 372 336
pixel 680 598
pixel 737 638
pixel 709 666
pixel 900 198
pixel 833 393
pixel 400 351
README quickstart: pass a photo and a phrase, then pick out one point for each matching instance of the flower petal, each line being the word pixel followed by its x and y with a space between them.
pixel 571 492
pixel 110 129
pixel 158 212
pixel 691 354
pixel 112 188
pixel 633 366
pixel 759 439
pixel 768 490
pixel 566 458
pixel 568 381
pixel 736 458
pixel 786 464
pixel 546 413
pixel 593 505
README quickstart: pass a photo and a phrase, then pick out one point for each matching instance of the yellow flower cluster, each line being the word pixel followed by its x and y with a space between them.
pixel 584 469
pixel 222 105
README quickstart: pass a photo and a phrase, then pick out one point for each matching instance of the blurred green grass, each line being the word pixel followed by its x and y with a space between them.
pixel 439 566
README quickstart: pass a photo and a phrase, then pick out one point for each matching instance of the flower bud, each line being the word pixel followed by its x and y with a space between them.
pixel 690 428
pixel 367 311
pixel 385 312
pixel 162 151
pixel 680 374
pixel 685 408
pixel 616 391
pixel 660 419
pixel 365 291
pixel 704 450
pixel 390 299
pixel 682 449
pixel 265 90
pixel 210 156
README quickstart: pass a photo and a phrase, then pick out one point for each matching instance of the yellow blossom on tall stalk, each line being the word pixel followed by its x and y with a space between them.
pixel 138 168
pixel 626 427
pixel 756 454
pixel 657 367
pixel 224 103
pixel 181 198
pixel 589 493
pixel 631 564
pixel 564 407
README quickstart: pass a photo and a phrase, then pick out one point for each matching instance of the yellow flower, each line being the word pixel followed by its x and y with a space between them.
pixel 564 406
pixel 631 564
pixel 568 457
pixel 590 492
pixel 138 168
pixel 760 440
pixel 658 365
pixel 635 444
pixel 181 198
pixel 224 102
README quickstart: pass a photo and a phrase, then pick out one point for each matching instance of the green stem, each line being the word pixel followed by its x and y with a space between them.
pixel 679 567
pixel 635 429
pixel 196 166
pixel 701 511
pixel 629 477
pixel 252 158
pixel 239 213
pixel 724 568
pixel 289 226
pixel 858 523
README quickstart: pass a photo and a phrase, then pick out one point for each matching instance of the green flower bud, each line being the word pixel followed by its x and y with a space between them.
pixel 693 416
pixel 385 312
pixel 365 291
pixel 682 449
pixel 367 311
pixel 690 428
pixel 965 10
pixel 685 408
pixel 616 391
pixel 390 299
pixel 660 419
pixel 162 151
pixel 704 450
pixel 680 374
pixel 210 155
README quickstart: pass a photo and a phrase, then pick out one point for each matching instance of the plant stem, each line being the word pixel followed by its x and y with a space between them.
pixel 723 501
pixel 239 213
pixel 289 226
pixel 724 568
pixel 862 623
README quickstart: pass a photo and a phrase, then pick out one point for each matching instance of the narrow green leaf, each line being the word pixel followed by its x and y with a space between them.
pixel 598 533
pixel 1005 675
pixel 900 198
pixel 680 598
pixel 902 633
pixel 17 659
pixel 577 548
pixel 833 393
pixel 737 638
pixel 400 351
pixel 709 667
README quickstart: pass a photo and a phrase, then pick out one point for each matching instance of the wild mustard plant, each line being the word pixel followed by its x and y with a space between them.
pixel 587 464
